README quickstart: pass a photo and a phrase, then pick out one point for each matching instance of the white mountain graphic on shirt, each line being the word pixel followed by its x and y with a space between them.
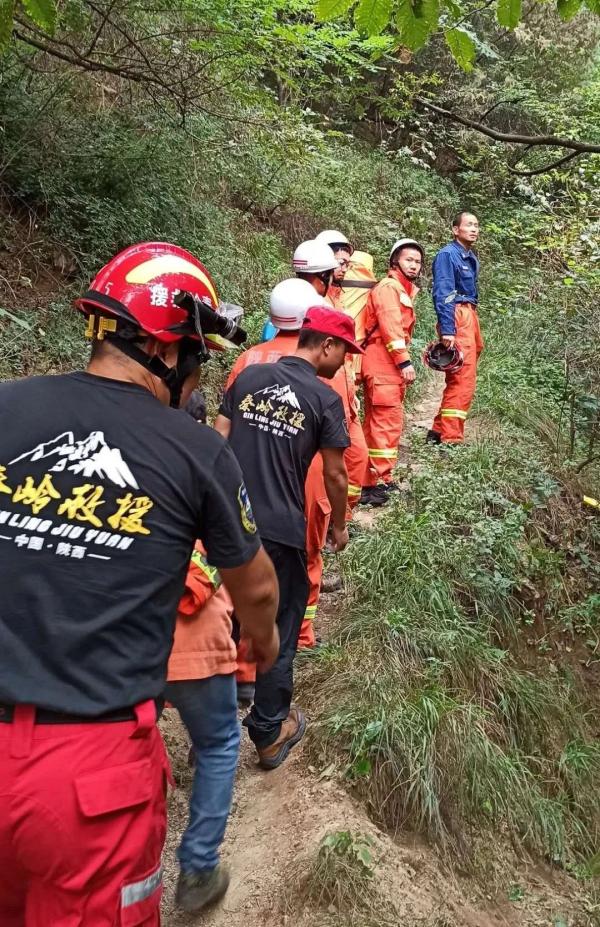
pixel 89 457
pixel 281 394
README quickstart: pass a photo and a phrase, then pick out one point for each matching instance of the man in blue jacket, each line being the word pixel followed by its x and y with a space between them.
pixel 455 297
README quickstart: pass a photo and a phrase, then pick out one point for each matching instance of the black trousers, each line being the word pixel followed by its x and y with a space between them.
pixel 274 690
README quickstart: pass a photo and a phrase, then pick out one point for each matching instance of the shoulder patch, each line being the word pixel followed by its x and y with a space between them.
pixel 246 513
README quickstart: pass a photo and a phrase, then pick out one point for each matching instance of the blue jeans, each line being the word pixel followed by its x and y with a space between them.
pixel 208 709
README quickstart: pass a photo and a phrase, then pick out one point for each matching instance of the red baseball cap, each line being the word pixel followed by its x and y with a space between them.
pixel 333 323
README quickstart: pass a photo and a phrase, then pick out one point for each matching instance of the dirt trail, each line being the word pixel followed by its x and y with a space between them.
pixel 279 818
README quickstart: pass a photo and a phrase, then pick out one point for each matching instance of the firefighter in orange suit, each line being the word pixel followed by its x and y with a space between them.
pixel 289 301
pixel 387 368
pixel 356 456
pixel 455 298
pixel 342 252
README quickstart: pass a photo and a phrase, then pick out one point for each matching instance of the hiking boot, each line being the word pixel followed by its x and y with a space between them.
pixel 392 487
pixel 364 496
pixel 374 495
pixel 292 730
pixel 379 495
pixel 196 890
pixel 433 437
pixel 245 694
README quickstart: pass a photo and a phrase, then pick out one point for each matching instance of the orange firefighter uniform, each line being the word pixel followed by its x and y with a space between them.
pixel 389 322
pixel 202 645
pixel 460 384
pixel 455 298
pixel 335 296
pixel 356 457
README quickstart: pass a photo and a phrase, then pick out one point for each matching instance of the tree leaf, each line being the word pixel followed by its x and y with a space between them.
pixel 7 12
pixel 508 13
pixel 42 12
pixel 462 47
pixel 567 9
pixel 414 30
pixel 372 16
pixel 455 10
pixel 429 10
pixel 333 9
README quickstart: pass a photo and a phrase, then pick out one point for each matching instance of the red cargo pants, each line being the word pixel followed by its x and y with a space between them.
pixel 384 412
pixel 318 511
pixel 82 822
pixel 356 458
pixel 460 385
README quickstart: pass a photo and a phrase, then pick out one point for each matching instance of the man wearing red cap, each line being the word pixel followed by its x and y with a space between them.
pixel 277 417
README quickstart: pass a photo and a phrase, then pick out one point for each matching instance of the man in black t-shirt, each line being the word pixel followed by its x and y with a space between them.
pixel 103 491
pixel 277 417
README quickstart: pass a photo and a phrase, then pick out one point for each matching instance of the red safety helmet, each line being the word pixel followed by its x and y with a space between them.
pixel 439 357
pixel 160 290
pixel 140 285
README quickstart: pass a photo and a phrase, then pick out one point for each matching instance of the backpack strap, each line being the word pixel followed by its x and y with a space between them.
pixel 359 284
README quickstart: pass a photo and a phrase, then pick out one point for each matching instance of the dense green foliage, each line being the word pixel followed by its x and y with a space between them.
pixel 461 684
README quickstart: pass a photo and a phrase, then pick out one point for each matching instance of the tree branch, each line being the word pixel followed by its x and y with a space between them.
pixel 547 167
pixel 590 460
pixel 496 105
pixel 83 63
pixel 479 9
pixel 549 141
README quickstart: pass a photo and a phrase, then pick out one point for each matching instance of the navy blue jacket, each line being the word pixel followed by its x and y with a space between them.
pixel 455 273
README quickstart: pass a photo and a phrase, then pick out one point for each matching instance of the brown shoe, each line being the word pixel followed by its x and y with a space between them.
pixel 292 730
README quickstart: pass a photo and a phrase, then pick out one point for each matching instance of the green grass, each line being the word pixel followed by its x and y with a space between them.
pixel 342 872
pixel 438 705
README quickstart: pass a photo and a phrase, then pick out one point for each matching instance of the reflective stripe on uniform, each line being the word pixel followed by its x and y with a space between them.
pixel 139 891
pixel 211 573
pixel 453 413
pixel 354 490
pixel 310 613
pixel 381 452
pixel 398 345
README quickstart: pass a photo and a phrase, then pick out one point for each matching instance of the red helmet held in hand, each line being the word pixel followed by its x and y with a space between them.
pixel 439 357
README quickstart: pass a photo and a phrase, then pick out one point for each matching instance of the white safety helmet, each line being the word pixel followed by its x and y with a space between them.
pixel 334 239
pixel 313 257
pixel 406 243
pixel 290 300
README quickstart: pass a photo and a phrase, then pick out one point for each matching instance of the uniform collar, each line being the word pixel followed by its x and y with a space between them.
pixel 396 274
pixel 464 252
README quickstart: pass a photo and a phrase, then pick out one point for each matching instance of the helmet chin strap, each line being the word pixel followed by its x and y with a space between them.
pixel 172 377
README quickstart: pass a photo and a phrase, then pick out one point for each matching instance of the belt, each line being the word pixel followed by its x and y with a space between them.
pixel 45 716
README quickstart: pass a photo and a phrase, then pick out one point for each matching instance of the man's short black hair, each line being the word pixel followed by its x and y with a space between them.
pixel 457 219
pixel 196 406
pixel 307 338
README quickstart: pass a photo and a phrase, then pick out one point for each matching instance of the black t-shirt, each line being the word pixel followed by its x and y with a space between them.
pixel 281 415
pixel 103 491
